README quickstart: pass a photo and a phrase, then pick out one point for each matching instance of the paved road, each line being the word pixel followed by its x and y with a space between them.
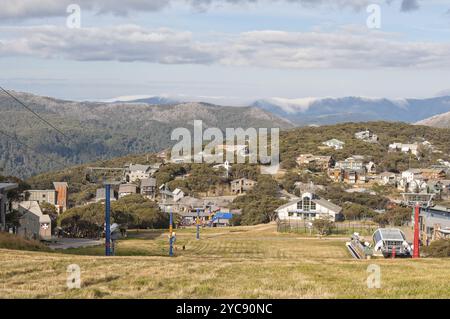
pixel 66 243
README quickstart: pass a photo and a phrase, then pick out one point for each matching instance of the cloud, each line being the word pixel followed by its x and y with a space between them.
pixel 24 9
pixel 347 48
pixel 125 43
pixel 409 5
pixel 27 9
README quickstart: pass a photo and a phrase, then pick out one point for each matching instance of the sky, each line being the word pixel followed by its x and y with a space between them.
pixel 229 52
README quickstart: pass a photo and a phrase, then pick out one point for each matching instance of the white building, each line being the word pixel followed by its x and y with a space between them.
pixel 388 178
pixel 334 143
pixel 127 189
pixel 414 186
pixel 367 136
pixel 177 194
pixel 350 164
pixel 42 196
pixel 309 207
pixel 405 148
pixel 371 168
pixel 412 174
pixel 137 172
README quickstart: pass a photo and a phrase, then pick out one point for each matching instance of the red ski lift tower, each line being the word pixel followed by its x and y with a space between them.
pixel 418 201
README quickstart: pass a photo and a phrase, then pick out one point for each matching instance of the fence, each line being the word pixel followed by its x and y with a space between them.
pixel 338 228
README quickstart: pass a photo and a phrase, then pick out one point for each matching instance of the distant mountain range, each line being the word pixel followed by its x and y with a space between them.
pixel 328 111
pixel 321 111
pixel 152 100
pixel 440 121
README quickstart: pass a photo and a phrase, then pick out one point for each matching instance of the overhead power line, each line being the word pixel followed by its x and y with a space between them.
pixel 35 114
pixel 42 119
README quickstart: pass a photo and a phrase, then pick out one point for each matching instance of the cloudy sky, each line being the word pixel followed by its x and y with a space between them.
pixel 225 51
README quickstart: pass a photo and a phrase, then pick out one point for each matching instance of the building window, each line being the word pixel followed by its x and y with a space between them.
pixel 290 214
pixel 300 205
pixel 306 204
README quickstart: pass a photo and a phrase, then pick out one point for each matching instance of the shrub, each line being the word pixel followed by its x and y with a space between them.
pixel 10 241
pixel 323 226
pixel 439 248
pixel 133 211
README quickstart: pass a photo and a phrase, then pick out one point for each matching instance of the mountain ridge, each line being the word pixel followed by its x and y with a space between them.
pixel 99 130
pixel 328 111
pixel 439 121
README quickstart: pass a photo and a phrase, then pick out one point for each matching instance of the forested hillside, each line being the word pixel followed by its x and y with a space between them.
pixel 103 130
pixel 308 140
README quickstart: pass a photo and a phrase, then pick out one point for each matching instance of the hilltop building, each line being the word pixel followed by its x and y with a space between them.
pixel 177 194
pixel 388 178
pixel 334 143
pixel 242 185
pixel 148 188
pixel 405 148
pixel 367 136
pixel 127 189
pixel 136 172
pixel 350 164
pixel 323 162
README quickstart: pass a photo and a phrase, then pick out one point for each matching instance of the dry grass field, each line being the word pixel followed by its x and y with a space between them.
pixel 243 262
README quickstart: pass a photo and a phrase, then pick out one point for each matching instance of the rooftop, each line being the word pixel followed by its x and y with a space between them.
pixel 139 167
pixel 34 208
pixel 7 186
pixel 147 182
pixel 391 234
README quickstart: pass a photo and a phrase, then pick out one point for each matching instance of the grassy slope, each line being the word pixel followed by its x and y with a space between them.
pixel 244 262
pixel 9 241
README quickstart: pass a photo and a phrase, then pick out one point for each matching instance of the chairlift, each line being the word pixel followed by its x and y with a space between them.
pixel 96 175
